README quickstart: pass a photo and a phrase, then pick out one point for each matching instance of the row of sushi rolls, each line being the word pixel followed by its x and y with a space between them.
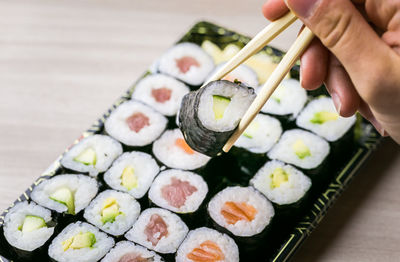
pixel 133 192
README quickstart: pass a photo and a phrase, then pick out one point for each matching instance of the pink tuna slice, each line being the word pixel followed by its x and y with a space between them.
pixel 162 94
pixel 133 257
pixel 137 121
pixel 185 63
pixel 156 229
pixel 177 192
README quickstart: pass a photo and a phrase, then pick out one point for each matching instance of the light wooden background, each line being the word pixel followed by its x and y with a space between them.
pixel 62 63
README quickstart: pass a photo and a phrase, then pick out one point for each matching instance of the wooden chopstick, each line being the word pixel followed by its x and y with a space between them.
pixel 302 41
pixel 256 44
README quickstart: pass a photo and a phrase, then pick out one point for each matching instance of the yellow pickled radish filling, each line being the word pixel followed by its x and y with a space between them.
pixel 110 210
pixel 252 129
pixel 128 178
pixel 64 196
pixel 278 177
pixel 87 157
pixel 321 117
pixel 301 149
pixel 220 104
pixel 81 240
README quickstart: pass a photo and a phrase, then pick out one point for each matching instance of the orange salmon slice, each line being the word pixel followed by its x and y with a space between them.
pixel 180 142
pixel 208 251
pixel 235 211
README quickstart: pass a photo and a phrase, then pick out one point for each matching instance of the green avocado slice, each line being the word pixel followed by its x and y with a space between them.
pixel 32 223
pixel 79 241
pixel 300 149
pixel 64 196
pixel 324 116
pixel 220 103
pixel 128 178
pixel 278 177
pixel 87 157
pixel 110 210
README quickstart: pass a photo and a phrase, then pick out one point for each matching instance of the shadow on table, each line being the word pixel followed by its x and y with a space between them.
pixel 359 191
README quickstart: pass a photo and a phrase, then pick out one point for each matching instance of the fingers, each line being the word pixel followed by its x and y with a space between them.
pixel 274 9
pixel 366 112
pixel 339 85
pixel 313 67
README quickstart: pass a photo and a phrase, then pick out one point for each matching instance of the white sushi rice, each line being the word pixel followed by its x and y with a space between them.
pixel 250 196
pixel 284 151
pixel 129 210
pixel 263 132
pixel 331 130
pixel 200 235
pixel 125 248
pixel 288 192
pixel 145 88
pixel 242 73
pixel 239 103
pixel 192 202
pixel 288 99
pixel 84 189
pixel 173 156
pixel 196 74
pixel 87 254
pixel 177 230
pixel 145 169
pixel 107 149
pixel 117 127
pixel 14 219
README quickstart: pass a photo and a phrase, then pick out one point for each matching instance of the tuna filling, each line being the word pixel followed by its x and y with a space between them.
pixel 133 257
pixel 185 63
pixel 161 95
pixel 137 121
pixel 177 192
pixel 156 229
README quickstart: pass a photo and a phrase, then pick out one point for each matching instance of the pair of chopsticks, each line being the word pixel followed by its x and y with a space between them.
pixel 255 45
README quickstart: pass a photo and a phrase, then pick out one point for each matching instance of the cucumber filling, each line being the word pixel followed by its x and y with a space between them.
pixel 324 116
pixel 87 157
pixel 300 149
pixel 66 197
pixel 32 223
pixel 128 178
pixel 252 129
pixel 79 241
pixel 278 177
pixel 220 104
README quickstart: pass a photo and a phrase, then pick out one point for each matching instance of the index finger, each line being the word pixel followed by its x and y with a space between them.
pixel 274 9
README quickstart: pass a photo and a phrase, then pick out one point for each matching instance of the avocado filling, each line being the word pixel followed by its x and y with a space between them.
pixel 220 103
pixel 87 157
pixel 110 210
pixel 324 116
pixel 278 177
pixel 252 129
pixel 300 149
pixel 32 223
pixel 79 241
pixel 66 197
pixel 128 178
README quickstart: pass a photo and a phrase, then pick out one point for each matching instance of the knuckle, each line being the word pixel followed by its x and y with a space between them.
pixel 334 29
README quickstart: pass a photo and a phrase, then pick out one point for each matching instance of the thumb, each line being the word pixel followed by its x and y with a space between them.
pixel 345 32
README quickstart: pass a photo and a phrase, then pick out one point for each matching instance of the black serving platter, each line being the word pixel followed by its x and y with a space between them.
pixel 286 233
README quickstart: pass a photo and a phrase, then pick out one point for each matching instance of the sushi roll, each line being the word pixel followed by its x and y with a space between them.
pixel 158 229
pixel 65 193
pixel 262 133
pixel 187 62
pixel 135 124
pixel 210 115
pixel 161 92
pixel 126 251
pixel 113 212
pixel 173 151
pixel 28 226
pixel 321 117
pixel 241 210
pixel 80 242
pixel 300 148
pixel 132 172
pixel 287 100
pixel 179 191
pixel 93 154
pixel 282 184
pixel 242 73
pixel 205 244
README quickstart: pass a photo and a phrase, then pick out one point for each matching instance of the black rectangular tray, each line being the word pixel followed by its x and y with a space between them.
pixel 291 234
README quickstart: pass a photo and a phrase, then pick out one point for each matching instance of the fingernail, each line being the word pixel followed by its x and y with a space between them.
pixel 302 8
pixel 336 102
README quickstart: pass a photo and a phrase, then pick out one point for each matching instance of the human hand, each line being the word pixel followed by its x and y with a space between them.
pixel 356 55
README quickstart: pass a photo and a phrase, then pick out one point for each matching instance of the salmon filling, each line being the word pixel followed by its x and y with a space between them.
pixel 181 143
pixel 161 95
pixel 133 257
pixel 156 229
pixel 208 251
pixel 185 63
pixel 177 192
pixel 236 211
pixel 137 121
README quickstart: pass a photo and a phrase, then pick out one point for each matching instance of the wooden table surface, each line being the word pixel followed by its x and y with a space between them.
pixel 62 63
